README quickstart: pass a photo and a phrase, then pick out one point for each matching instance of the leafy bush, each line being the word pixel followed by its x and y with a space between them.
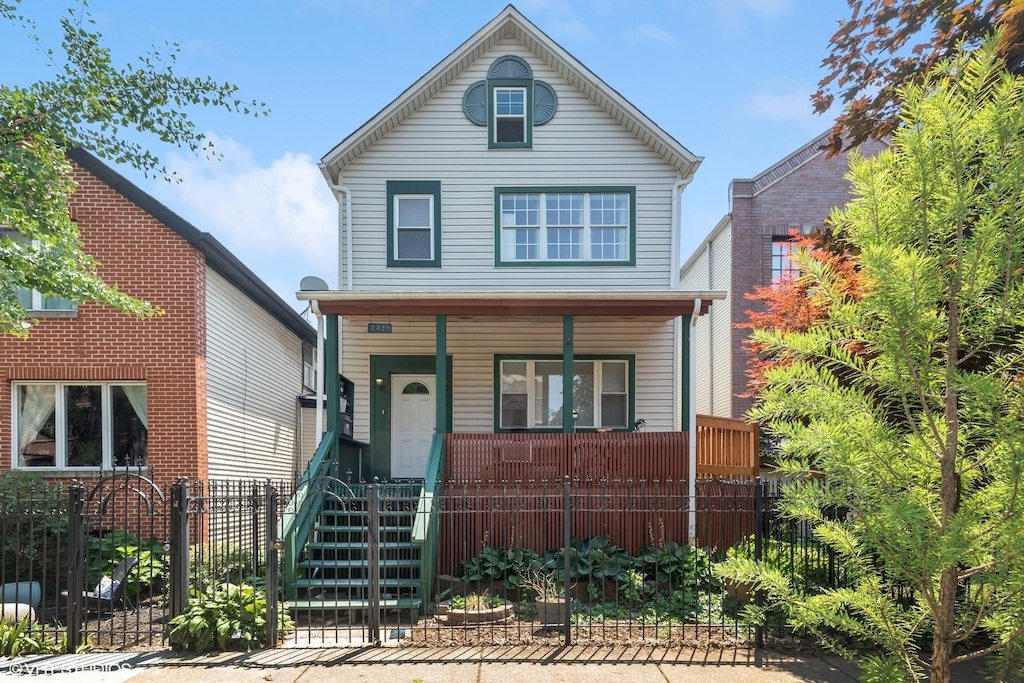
pixel 476 601
pixel 217 619
pixel 805 563
pixel 34 521
pixel 500 564
pixel 593 559
pixel 106 552
pixel 213 564
pixel 19 638
pixel 678 565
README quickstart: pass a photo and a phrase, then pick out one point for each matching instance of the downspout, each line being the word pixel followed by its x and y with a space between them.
pixel 677 228
pixel 691 392
pixel 314 306
pixel 339 190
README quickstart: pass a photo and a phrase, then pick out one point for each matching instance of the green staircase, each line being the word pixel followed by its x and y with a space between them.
pixel 338 564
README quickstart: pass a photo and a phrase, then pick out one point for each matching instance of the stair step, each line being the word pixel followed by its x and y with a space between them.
pixel 356 583
pixel 395 603
pixel 386 545
pixel 344 564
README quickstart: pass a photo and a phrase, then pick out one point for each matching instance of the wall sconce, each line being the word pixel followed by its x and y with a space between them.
pixel 379 382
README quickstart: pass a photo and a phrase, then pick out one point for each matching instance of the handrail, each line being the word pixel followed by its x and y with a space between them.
pixel 298 519
pixel 426 526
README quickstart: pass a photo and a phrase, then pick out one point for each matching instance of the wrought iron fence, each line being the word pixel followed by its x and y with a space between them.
pixel 613 557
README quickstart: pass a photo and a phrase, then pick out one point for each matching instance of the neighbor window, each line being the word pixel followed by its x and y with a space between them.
pixel 529 393
pixel 783 265
pixel 414 223
pixel 592 225
pixel 77 425
pixel 31 299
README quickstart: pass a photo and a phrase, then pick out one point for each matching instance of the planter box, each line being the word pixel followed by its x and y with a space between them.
pixel 462 617
pixel 552 613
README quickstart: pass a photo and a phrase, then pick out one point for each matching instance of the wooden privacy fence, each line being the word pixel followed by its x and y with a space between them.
pixel 726 449
pixel 632 514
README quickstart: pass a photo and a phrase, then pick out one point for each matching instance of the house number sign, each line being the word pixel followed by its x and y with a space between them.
pixel 378 328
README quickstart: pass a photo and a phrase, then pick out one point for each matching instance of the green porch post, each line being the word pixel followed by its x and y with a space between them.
pixel 687 370
pixel 332 381
pixel 443 421
pixel 568 424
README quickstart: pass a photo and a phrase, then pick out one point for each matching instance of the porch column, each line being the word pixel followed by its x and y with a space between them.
pixel 568 424
pixel 687 377
pixel 332 379
pixel 441 376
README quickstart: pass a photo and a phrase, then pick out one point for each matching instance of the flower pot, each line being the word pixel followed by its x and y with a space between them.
pixel 24 592
pixel 552 611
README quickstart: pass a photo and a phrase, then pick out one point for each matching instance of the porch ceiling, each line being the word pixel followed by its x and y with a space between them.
pixel 663 305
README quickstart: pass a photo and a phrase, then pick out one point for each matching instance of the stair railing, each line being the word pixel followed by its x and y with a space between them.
pixel 301 512
pixel 426 529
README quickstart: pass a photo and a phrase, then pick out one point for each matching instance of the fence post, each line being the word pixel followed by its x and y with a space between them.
pixel 373 562
pixel 179 547
pixel 758 552
pixel 254 522
pixel 272 545
pixel 567 529
pixel 76 565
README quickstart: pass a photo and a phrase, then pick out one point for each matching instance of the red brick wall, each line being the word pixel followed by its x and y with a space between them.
pixel 760 209
pixel 145 259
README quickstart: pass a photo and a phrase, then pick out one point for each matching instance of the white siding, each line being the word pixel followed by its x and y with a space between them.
pixel 473 343
pixel 254 373
pixel 712 270
pixel 580 146
pixel 308 439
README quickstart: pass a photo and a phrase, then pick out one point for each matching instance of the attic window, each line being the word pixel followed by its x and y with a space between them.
pixel 509 103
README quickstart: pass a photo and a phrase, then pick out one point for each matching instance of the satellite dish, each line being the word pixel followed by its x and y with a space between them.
pixel 311 283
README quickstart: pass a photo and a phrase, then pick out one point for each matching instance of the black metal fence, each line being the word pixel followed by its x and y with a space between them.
pixel 538 562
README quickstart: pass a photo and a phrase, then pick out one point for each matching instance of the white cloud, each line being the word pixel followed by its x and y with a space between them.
pixel 569 29
pixel 280 220
pixel 652 32
pixel 794 105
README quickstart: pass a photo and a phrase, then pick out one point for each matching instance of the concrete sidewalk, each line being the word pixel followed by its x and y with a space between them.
pixel 452 665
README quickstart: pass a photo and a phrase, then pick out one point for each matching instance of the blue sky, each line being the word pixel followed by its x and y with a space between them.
pixel 729 79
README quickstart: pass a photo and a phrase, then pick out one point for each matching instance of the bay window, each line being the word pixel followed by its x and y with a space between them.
pixel 79 425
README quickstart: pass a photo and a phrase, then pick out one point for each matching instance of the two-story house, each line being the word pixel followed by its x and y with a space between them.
pixel 509 232
pixel 207 390
pixel 749 248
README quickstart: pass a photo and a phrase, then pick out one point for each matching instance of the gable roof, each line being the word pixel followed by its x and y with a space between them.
pixel 217 255
pixel 789 164
pixel 510 23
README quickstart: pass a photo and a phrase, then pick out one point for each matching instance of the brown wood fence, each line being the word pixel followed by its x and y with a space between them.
pixel 726 449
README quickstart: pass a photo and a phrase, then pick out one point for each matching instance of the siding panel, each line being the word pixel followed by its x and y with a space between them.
pixel 254 373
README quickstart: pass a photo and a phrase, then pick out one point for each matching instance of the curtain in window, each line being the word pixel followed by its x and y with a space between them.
pixel 37 403
pixel 137 397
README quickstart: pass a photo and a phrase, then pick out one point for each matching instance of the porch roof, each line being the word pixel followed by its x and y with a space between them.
pixel 665 304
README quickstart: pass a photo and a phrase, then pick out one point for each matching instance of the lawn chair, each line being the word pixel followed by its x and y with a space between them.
pixel 96 601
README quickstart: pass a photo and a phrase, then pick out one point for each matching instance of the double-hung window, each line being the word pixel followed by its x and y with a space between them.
pixel 529 392
pixel 783 265
pixel 78 425
pixel 30 299
pixel 536 226
pixel 414 223
pixel 509 115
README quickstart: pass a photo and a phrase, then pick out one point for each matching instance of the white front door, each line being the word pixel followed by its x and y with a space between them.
pixel 412 424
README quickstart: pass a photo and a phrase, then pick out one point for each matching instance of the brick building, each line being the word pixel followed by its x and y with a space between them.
pixel 206 390
pixel 748 248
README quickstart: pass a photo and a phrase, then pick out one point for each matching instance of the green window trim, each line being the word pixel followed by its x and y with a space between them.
pixel 499 262
pixel 629 359
pixel 497 84
pixel 413 187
